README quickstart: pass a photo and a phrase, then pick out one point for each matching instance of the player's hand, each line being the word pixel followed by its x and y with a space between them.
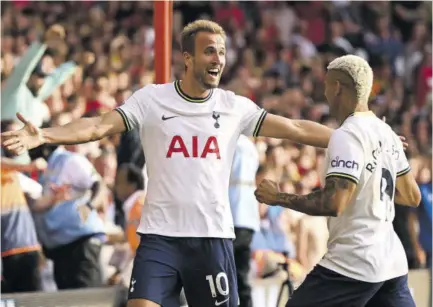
pixel 267 192
pixel 17 142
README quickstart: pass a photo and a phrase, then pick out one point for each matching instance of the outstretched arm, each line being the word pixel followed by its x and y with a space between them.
pixel 80 131
pixel 128 116
pixel 300 131
pixel 85 130
pixel 329 201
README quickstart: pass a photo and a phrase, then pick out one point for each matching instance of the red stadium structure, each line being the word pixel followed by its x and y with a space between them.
pixel 162 18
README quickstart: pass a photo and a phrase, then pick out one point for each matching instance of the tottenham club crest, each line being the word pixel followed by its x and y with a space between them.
pixel 216 117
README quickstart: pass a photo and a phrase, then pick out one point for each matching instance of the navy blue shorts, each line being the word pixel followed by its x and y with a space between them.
pixel 204 267
pixel 326 288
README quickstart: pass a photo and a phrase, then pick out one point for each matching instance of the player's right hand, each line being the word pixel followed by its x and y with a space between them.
pixel 267 192
pixel 28 137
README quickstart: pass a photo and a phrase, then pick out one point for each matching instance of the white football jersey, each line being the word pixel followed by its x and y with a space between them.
pixel 189 146
pixel 362 242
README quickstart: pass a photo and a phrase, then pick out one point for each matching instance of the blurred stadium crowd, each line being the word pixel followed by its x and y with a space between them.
pixel 277 54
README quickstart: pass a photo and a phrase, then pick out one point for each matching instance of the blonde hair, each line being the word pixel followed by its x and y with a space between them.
pixel 190 31
pixel 359 73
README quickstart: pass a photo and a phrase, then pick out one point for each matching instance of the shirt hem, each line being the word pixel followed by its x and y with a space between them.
pixel 21 250
pixel 338 269
pixel 177 234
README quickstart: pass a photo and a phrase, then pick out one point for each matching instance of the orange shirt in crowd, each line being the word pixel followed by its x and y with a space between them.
pixel 132 207
pixel 18 229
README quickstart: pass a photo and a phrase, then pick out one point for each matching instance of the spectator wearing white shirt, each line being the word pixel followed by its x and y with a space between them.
pixel 245 211
pixel 68 225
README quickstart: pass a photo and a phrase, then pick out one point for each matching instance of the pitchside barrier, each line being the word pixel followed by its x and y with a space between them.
pixel 265 294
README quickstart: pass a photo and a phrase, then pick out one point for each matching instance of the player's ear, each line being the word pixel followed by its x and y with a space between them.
pixel 337 88
pixel 187 57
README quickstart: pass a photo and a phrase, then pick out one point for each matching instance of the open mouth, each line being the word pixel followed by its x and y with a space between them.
pixel 213 72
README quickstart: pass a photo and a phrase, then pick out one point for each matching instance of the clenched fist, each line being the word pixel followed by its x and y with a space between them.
pixel 267 192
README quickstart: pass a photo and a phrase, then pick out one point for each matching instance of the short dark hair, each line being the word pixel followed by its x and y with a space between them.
pixel 190 31
pixel 134 175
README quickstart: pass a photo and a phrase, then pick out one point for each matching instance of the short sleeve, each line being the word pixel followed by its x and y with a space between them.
pixel 134 109
pixel 345 156
pixel 252 116
pixel 80 172
pixel 403 166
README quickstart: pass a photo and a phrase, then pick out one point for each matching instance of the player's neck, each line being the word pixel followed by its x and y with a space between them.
pixel 360 107
pixel 191 88
pixel 348 112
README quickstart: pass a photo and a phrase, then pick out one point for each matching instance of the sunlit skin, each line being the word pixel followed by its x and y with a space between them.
pixel 209 53
pixel 340 99
pixel 342 102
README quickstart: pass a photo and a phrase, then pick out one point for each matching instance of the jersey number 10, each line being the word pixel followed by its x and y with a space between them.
pixel 221 282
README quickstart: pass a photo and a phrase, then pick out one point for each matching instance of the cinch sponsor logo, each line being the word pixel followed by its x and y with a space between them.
pixel 344 164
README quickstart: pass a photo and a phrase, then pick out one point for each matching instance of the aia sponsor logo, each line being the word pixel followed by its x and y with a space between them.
pixel 198 149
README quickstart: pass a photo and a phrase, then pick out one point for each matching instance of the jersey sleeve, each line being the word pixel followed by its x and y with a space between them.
pixel 403 166
pixel 134 109
pixel 346 156
pixel 252 116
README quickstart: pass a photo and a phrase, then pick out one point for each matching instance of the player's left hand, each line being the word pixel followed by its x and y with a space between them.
pixel 267 192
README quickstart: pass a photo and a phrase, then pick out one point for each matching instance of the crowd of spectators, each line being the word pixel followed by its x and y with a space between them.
pixel 277 54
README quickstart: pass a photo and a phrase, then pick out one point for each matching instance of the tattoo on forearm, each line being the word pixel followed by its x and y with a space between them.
pixel 320 203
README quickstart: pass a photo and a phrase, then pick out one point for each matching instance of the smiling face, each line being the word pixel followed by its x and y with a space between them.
pixel 208 60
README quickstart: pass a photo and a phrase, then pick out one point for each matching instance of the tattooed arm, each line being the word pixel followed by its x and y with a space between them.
pixel 345 164
pixel 329 201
